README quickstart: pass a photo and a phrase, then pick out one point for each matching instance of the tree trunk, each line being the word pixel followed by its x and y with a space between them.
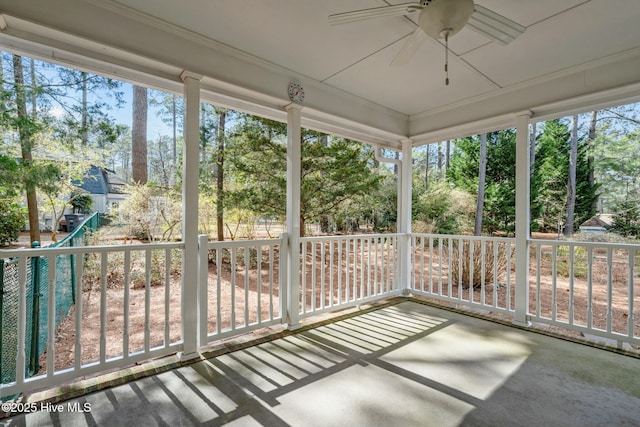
pixel 426 167
pixel 26 146
pixel 532 149
pixel 174 125
pixel 84 131
pixel 222 116
pixel 139 136
pixel 447 155
pixel 482 171
pixel 440 159
pixel 395 166
pixel 34 92
pixel 571 181
pixel 590 159
pixel 3 107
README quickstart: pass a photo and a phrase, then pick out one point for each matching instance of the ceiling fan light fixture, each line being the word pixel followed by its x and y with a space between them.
pixel 444 15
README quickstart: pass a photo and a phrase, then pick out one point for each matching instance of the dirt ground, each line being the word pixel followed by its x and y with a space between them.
pixel 242 286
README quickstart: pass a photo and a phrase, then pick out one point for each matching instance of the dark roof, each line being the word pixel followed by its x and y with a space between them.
pixel 101 181
pixel 94 181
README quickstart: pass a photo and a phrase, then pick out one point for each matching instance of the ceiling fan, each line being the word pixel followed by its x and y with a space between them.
pixel 439 19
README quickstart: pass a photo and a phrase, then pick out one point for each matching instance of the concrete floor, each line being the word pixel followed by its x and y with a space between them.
pixel 402 365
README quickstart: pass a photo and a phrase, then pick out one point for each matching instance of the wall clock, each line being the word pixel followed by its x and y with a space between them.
pixel 296 93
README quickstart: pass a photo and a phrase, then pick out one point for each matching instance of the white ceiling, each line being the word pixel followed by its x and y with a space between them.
pixel 247 51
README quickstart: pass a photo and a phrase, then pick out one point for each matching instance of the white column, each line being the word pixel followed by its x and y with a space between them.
pixel 404 217
pixel 522 219
pixel 294 160
pixel 190 166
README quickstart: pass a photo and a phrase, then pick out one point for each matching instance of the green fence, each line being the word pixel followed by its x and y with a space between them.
pixel 37 294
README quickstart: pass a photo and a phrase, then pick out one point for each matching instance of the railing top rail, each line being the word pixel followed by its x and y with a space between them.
pixel 600 245
pixel 216 244
pixel 466 237
pixel 33 252
pixel 348 237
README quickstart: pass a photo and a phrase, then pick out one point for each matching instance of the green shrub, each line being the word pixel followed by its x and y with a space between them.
pixel 12 219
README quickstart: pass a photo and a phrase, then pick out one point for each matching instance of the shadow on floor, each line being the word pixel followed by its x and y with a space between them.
pixel 407 364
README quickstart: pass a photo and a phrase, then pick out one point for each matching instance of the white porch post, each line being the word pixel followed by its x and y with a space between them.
pixel 404 218
pixel 294 160
pixel 522 219
pixel 190 312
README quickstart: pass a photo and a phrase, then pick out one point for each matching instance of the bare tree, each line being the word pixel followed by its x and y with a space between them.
pixel 427 159
pixel 440 159
pixel 139 136
pixel 532 149
pixel 222 117
pixel 482 172
pixel 571 180
pixel 447 154
pixel 590 160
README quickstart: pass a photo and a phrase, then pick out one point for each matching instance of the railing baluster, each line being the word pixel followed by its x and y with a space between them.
pixel 78 312
pixel 347 262
pixel 313 276
pixel 271 249
pixel 483 276
pixel 147 300
pixel 331 252
pixel 259 282
pixel 572 260
pixel 22 319
pixel 509 250
pixel 127 298
pixel 340 269
pixel 323 268
pixel 233 289
pixel 389 270
pixel 219 253
pixel 631 296
pixel 355 268
pixel 247 261
pixel 554 282
pixel 103 306
pixel 609 289
pixel 472 247
pixel 167 298
pixel 51 325
pixel 422 264
pixel 590 287
pixel 362 294
pixel 303 279
pixel 440 261
pixel 413 264
pixel 538 279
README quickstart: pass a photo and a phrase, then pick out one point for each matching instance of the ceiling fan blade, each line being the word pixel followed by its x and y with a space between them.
pixel 409 48
pixel 376 12
pixel 494 26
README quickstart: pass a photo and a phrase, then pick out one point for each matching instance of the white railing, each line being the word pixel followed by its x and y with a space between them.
pixel 589 287
pixel 245 286
pixel 110 325
pixel 129 301
pixel 466 270
pixel 343 271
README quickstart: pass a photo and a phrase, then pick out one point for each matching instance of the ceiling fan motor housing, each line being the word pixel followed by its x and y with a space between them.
pixel 442 17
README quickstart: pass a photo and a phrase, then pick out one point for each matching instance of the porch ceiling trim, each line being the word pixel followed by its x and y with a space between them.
pixel 149 51
pixel 232 78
